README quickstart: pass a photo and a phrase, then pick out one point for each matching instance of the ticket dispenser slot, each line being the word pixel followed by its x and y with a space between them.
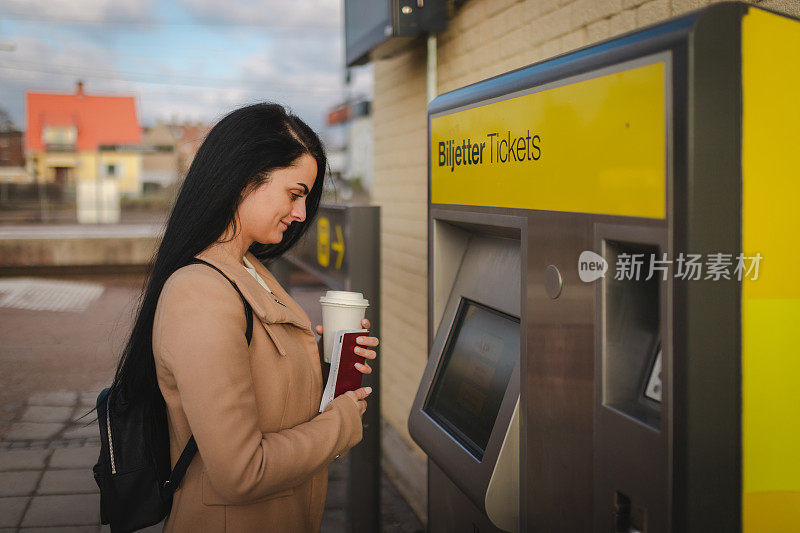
pixel 632 368
pixel 631 333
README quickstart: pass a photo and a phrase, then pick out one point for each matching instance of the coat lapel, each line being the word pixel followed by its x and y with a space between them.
pixel 269 310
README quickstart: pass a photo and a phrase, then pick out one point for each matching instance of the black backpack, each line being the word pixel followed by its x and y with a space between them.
pixel 133 470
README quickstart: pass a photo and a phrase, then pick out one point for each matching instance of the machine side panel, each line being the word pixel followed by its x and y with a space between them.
pixel 770 302
pixel 706 313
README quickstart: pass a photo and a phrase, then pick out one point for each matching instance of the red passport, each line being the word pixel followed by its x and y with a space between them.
pixel 343 375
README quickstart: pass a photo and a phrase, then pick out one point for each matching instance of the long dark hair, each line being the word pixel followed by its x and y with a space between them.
pixel 237 155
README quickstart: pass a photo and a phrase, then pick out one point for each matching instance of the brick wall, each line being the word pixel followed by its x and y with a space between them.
pixel 400 158
pixel 484 38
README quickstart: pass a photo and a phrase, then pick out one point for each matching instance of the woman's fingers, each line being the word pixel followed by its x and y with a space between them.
pixel 363 368
pixel 319 330
pixel 363 352
pixel 360 395
pixel 368 341
pixel 365 323
pixel 363 392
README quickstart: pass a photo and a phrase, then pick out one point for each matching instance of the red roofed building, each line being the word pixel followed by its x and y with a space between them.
pixel 77 137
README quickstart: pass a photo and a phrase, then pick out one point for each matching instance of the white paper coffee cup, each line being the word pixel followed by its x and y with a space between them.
pixel 340 310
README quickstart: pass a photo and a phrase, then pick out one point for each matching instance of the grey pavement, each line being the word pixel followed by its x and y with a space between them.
pixel 45 466
pixel 46 481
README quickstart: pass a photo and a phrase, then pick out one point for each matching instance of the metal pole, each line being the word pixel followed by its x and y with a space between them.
pixel 364 479
pixel 343 251
pixel 98 202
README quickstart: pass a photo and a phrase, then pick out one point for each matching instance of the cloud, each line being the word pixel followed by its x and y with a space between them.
pixel 273 13
pixel 37 65
pixel 297 64
pixel 307 76
pixel 200 75
pixel 87 10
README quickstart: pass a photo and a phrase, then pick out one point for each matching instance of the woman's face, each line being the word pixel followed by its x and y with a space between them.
pixel 267 211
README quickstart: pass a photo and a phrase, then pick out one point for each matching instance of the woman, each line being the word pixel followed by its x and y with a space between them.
pixel 263 447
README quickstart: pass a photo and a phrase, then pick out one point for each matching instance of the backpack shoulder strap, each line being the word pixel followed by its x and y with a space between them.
pixel 247 309
pixel 171 485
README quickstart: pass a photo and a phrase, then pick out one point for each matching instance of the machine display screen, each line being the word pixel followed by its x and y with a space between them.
pixel 473 374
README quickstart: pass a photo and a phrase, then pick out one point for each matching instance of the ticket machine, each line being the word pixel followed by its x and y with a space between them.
pixel 613 297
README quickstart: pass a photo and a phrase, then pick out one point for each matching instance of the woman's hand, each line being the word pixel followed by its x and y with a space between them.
pixel 364 343
pixel 360 397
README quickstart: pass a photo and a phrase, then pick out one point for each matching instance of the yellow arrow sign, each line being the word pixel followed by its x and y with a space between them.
pixel 323 241
pixel 338 246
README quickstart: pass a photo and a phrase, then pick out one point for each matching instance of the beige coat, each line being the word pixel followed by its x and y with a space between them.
pixel 264 448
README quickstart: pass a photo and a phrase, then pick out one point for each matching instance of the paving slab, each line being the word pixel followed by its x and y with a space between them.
pixel 59 529
pixel 32 431
pixel 334 521
pixel 11 510
pixel 22 459
pixel 20 483
pixel 67 398
pixel 88 399
pixel 46 413
pixel 82 431
pixel 84 457
pixel 84 415
pixel 337 494
pixel 8 413
pixel 63 510
pixel 67 482
pixel 152 529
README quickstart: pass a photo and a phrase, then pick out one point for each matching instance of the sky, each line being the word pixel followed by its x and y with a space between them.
pixel 183 60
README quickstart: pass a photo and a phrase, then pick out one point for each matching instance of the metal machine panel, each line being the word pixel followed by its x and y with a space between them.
pixel 469 464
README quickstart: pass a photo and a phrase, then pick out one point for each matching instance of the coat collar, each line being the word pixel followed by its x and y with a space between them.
pixel 265 306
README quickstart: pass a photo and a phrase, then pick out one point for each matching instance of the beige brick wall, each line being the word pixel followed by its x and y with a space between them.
pixel 400 158
pixel 487 37
pixel 484 38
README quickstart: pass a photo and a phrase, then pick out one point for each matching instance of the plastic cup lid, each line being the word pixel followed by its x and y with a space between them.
pixel 344 298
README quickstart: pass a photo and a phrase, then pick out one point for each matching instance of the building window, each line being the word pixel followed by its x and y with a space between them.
pixel 60 138
pixel 113 170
